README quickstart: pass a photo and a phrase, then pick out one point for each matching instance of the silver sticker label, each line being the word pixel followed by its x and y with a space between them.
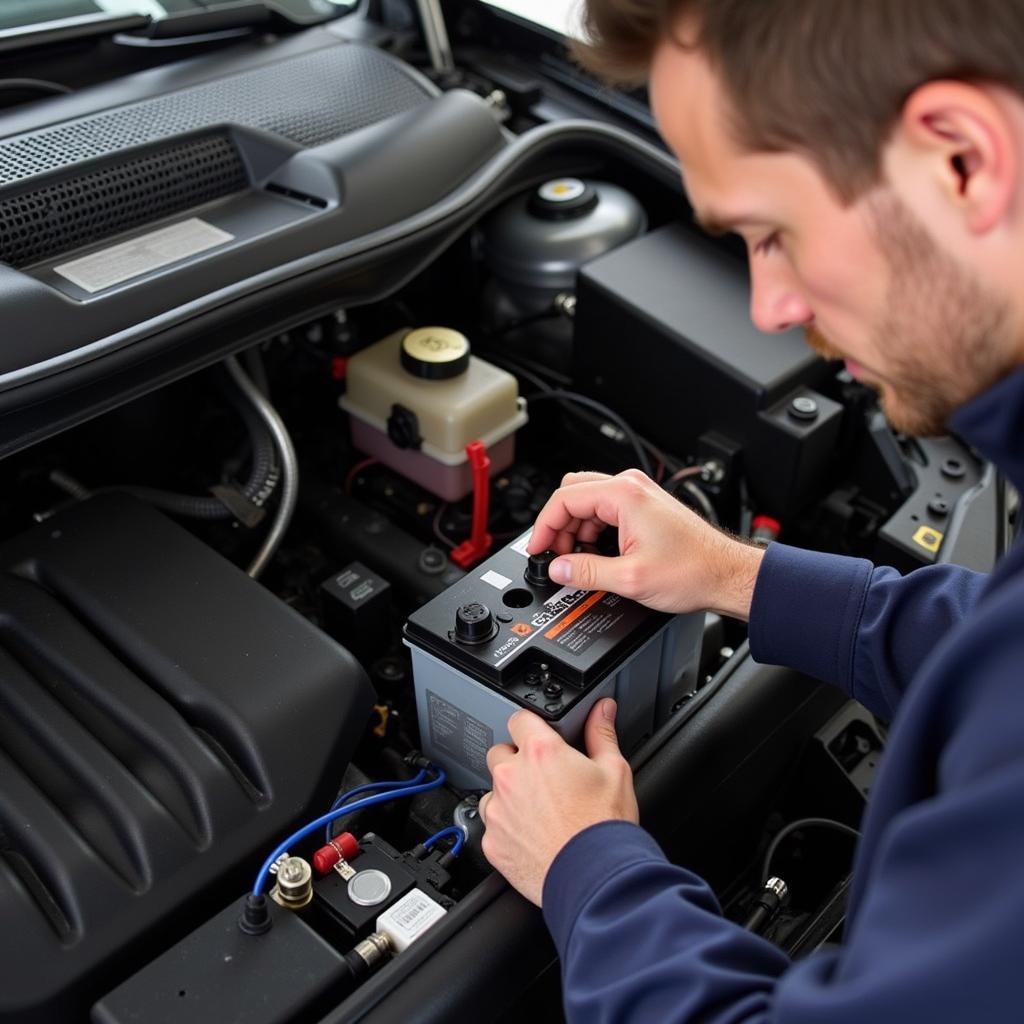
pixel 141 255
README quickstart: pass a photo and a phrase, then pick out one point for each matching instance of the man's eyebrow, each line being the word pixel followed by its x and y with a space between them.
pixel 712 223
pixel 717 224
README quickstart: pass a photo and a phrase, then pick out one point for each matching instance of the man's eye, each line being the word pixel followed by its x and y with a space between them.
pixel 768 244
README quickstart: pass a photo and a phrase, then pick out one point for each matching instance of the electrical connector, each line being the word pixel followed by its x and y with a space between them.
pixel 767 904
pixel 343 846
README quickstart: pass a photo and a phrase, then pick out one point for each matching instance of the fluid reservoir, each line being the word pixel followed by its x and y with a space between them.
pixel 416 399
pixel 535 244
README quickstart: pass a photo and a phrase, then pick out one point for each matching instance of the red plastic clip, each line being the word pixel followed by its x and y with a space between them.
pixel 764 529
pixel 478 546
pixel 341 846
pixel 339 368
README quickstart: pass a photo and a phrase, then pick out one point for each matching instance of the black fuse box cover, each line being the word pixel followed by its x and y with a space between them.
pixel 685 304
pixel 163 720
pixel 546 645
pixel 219 973
pixel 405 873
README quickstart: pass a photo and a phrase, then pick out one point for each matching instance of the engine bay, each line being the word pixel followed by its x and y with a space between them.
pixel 301 339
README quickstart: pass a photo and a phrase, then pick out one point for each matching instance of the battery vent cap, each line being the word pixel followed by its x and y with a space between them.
pixel 537 572
pixel 474 623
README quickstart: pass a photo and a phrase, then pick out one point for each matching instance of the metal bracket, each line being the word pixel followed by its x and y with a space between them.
pixel 435 33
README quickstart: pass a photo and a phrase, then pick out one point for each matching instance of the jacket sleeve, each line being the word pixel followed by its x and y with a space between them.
pixel 936 936
pixel 845 622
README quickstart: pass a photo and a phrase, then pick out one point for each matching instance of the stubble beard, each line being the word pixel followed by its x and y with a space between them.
pixel 941 336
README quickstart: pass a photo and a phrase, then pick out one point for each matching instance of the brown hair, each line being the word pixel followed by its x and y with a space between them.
pixel 824 77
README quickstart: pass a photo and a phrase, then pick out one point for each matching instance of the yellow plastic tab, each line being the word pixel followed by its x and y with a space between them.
pixel 928 538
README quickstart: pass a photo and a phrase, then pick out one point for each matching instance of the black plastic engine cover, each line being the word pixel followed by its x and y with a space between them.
pixel 163 720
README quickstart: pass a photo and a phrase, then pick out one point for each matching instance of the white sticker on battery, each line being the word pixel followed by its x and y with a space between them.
pixel 495 579
pixel 409 918
pixel 141 255
pixel 519 546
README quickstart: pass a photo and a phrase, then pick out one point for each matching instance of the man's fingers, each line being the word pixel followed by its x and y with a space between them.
pixel 589 531
pixel 595 572
pixel 525 726
pixel 599 731
pixel 498 753
pixel 482 807
pixel 590 499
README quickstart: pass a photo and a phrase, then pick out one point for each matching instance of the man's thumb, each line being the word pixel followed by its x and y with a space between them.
pixel 599 732
pixel 588 572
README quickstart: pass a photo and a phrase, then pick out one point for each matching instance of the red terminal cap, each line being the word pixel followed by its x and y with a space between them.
pixel 339 368
pixel 766 523
pixel 344 845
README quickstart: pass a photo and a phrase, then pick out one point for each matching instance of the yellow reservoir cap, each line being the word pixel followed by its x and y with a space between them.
pixel 435 353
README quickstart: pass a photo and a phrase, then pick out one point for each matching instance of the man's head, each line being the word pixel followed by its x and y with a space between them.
pixel 871 154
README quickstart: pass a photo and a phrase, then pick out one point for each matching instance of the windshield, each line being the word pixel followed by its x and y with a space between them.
pixel 21 13
pixel 561 16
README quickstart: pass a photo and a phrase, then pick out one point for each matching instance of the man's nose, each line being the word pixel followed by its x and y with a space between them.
pixel 776 304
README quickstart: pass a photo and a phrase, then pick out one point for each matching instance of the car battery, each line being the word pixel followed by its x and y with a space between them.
pixel 505 637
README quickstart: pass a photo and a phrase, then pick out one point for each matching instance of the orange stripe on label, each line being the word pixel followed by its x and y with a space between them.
pixel 575 614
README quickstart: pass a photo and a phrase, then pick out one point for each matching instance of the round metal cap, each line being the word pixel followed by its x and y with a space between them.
pixel 527 247
pixel 563 199
pixel 294 879
pixel 561 190
pixel 368 888
pixel 435 353
pixel 804 408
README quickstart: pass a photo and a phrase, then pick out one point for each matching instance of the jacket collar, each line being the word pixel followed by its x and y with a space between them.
pixel 993 423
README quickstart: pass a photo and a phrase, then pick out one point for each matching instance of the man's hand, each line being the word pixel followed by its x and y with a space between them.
pixel 669 558
pixel 545 792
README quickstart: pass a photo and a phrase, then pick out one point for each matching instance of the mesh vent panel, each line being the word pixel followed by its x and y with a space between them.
pixel 309 99
pixel 57 218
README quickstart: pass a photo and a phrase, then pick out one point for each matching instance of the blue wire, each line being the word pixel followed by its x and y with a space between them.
pixel 340 812
pixel 452 830
pixel 383 786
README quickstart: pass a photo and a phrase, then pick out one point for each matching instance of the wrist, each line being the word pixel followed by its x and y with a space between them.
pixel 737 567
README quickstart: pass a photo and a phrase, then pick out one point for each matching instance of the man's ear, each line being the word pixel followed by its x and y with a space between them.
pixel 966 136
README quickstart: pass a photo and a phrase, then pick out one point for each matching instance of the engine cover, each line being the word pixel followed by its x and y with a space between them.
pixel 163 719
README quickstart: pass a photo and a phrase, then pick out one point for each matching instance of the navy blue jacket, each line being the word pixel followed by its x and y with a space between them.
pixel 935 932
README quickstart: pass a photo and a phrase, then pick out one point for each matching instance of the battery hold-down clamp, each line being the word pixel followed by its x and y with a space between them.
pixel 478 546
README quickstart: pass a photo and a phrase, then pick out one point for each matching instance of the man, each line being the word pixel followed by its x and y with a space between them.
pixel 871 154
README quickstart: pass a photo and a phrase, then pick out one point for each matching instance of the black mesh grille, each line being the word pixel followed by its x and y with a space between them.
pixel 89 207
pixel 309 99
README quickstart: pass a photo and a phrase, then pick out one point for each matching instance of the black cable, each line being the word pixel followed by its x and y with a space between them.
pixel 792 827
pixel 524 321
pixel 538 382
pixel 558 395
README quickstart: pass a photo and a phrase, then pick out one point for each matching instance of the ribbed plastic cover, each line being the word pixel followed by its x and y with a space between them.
pixel 89 207
pixel 308 99
pixel 163 719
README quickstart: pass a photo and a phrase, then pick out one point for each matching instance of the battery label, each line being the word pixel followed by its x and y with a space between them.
pixel 462 736
pixel 592 620
pixel 556 606
pixel 559 603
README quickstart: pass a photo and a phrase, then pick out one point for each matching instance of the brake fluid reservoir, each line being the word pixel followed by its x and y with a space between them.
pixel 416 399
